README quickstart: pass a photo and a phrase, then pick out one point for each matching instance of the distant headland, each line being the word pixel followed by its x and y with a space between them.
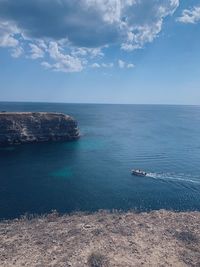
pixel 35 127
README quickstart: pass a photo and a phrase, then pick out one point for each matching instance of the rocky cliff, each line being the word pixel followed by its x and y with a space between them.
pixel 33 127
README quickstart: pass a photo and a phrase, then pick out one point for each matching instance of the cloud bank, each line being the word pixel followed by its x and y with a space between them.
pixel 69 35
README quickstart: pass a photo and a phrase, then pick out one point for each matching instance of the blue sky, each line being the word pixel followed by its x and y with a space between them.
pixel 100 51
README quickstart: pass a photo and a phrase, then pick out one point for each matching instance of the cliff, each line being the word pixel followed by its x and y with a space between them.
pixel 33 127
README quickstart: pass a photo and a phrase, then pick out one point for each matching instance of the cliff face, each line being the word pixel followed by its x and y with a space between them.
pixel 32 127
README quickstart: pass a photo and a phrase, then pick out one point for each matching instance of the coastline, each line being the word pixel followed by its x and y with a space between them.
pixel 157 238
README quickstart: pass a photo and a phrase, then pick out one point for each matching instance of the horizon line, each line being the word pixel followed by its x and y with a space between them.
pixel 99 103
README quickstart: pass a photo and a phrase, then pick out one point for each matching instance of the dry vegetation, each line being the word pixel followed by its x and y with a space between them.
pixel 102 239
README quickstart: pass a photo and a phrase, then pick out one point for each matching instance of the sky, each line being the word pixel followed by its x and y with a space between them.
pixel 100 51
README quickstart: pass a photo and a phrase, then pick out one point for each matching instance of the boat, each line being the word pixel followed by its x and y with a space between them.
pixel 138 173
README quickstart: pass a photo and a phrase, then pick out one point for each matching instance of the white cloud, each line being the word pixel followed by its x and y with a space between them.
pixel 130 66
pixel 80 31
pixel 103 65
pixel 121 64
pixel 46 65
pixel 7 34
pixel 144 22
pixel 90 52
pixel 63 62
pixel 36 51
pixel 190 15
pixel 107 65
pixel 95 52
pixel 17 52
pixel 8 38
pixel 95 65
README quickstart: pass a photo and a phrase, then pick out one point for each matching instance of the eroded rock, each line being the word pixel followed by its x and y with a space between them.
pixel 33 127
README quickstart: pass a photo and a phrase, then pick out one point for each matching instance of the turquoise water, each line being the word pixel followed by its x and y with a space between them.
pixel 94 172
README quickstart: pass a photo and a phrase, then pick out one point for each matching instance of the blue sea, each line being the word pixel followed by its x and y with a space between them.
pixel 94 172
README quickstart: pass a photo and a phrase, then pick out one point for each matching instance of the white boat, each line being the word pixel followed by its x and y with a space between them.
pixel 138 173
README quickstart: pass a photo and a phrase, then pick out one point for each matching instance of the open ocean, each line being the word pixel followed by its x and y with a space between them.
pixel 94 172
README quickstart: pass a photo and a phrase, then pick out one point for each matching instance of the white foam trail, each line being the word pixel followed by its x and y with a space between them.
pixel 172 176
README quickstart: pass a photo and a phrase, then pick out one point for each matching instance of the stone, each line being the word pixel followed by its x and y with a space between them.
pixel 35 127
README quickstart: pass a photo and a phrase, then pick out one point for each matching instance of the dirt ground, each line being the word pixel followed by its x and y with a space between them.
pixel 159 238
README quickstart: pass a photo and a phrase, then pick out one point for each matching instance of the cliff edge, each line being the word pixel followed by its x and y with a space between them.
pixel 33 127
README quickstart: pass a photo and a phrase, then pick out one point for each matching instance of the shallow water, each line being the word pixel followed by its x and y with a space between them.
pixel 94 172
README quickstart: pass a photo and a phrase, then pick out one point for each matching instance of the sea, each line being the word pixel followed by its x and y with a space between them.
pixel 94 173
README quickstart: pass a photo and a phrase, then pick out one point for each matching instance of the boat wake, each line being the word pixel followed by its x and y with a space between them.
pixel 174 177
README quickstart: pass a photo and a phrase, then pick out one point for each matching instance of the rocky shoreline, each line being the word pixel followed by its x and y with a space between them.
pixel 34 127
pixel 159 238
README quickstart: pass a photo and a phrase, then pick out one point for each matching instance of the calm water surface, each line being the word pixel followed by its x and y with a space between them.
pixel 94 172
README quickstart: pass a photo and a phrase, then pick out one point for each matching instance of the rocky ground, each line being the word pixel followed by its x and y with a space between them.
pixel 159 238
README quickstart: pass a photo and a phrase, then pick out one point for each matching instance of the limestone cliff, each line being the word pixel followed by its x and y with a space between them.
pixel 33 127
